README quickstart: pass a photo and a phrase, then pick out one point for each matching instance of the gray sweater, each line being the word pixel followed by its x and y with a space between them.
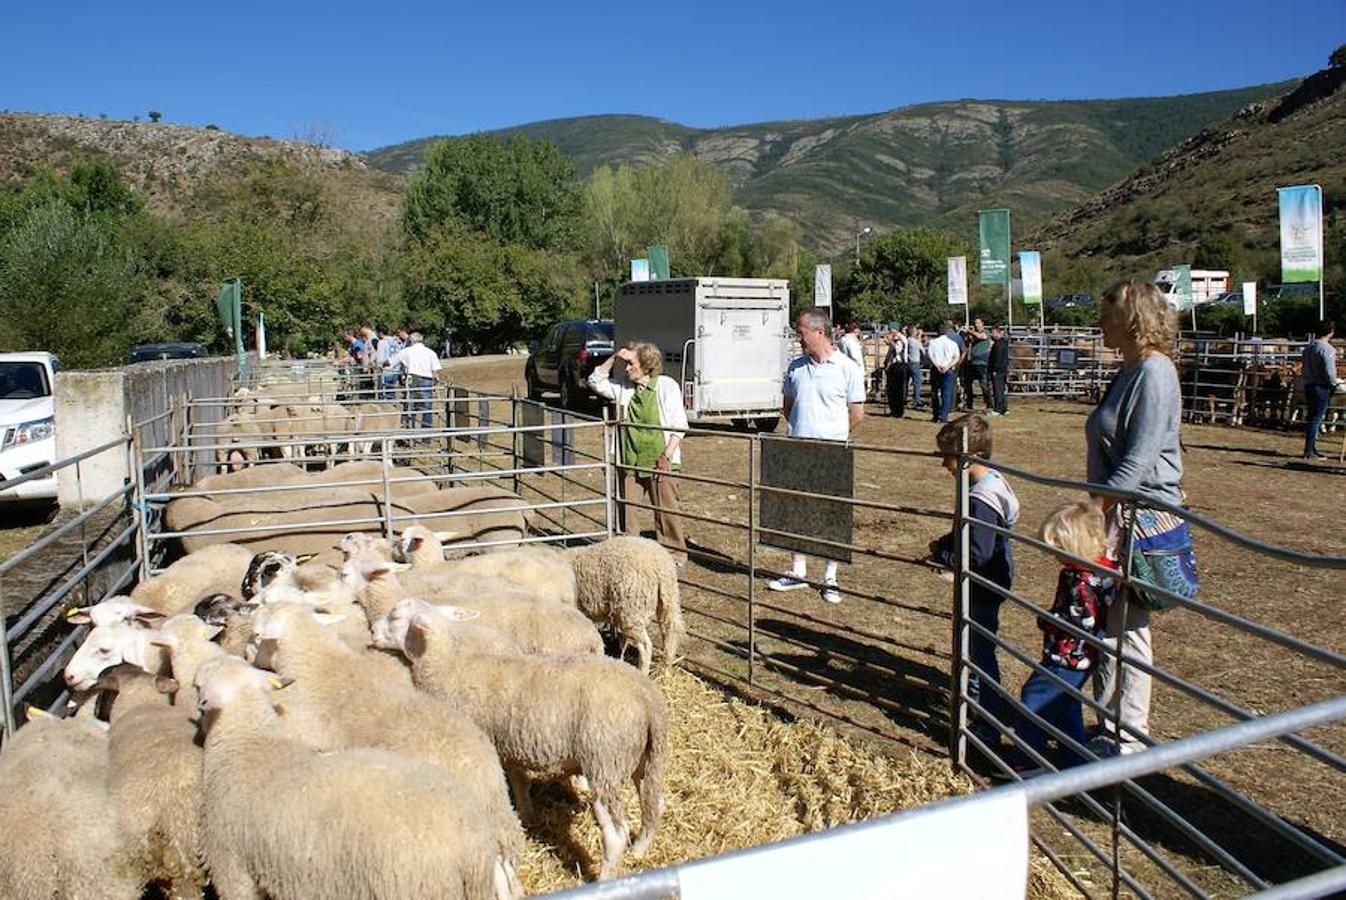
pixel 1133 433
pixel 1320 364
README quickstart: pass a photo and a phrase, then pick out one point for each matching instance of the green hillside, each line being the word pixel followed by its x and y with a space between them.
pixel 929 163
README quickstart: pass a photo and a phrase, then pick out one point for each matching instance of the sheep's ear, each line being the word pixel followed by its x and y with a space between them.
pixel 79 615
pixel 145 614
pixel 329 618
pixel 213 631
pixel 417 640
pixel 445 536
pixel 456 613
pixel 165 685
pixel 412 543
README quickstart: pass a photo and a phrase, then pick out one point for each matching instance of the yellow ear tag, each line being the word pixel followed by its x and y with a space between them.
pixel 275 682
pixel 305 558
pixel 35 713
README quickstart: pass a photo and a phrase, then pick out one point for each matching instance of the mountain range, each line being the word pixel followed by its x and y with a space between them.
pixel 933 163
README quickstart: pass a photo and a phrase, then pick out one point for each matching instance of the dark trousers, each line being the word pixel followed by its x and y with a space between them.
pixel 1000 391
pixel 896 386
pixel 985 611
pixel 980 376
pixel 1316 398
pixel 1048 699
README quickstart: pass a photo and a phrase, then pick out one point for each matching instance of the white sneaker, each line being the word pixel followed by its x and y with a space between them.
pixel 786 583
pixel 830 594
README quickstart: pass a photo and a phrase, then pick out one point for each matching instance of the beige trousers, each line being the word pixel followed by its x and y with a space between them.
pixel 1134 685
pixel 662 494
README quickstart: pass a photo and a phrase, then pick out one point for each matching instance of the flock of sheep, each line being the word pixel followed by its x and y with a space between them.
pixel 361 724
pixel 268 420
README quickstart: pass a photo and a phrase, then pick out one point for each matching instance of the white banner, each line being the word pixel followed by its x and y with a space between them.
pixel 957 281
pixel 822 286
pixel 1301 232
pixel 1250 298
pixel 1030 268
pixel 640 269
pixel 261 335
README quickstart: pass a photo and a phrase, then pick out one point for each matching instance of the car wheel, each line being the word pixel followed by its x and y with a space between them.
pixel 534 389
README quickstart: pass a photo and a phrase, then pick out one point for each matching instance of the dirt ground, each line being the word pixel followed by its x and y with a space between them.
pixel 880 660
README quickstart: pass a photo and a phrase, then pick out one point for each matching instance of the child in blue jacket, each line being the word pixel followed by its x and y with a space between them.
pixel 991 500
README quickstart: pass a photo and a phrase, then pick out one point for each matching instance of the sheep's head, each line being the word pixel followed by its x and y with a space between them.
pixel 105 647
pixel 265 568
pixel 418 546
pixel 390 630
pixel 363 545
pixel 223 681
pixel 216 609
pixel 274 622
pixel 183 630
pixel 111 611
pixel 361 576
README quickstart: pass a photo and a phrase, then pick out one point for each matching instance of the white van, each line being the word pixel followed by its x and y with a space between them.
pixel 27 424
pixel 1208 285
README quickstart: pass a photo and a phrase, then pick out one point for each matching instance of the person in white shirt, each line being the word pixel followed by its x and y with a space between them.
pixel 944 354
pixel 851 346
pixel 824 398
pixel 420 364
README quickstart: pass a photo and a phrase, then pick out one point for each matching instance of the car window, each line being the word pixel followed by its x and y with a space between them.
pixel 550 341
pixel 23 381
pixel 600 332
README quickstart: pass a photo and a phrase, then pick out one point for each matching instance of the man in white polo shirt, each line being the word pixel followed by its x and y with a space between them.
pixel 420 364
pixel 824 398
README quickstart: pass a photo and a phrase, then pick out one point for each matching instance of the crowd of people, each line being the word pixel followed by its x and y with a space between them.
pixel 394 367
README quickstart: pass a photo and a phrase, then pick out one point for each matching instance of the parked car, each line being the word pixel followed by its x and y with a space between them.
pixel 565 357
pixel 27 424
pixel 1070 301
pixel 170 350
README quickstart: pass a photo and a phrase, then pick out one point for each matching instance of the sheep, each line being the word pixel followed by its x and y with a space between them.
pixel 154 778
pixel 227 613
pixel 108 645
pixel 624 582
pixel 190 644
pixel 586 715
pixel 544 571
pixel 539 626
pixel 215 569
pixel 237 439
pixel 375 418
pixel 61 834
pixel 110 611
pixel 291 822
pixel 339 699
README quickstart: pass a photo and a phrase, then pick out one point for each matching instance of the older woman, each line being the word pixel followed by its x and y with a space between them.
pixel 1134 446
pixel 646 397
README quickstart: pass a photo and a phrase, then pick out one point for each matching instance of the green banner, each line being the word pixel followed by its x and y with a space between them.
pixel 993 227
pixel 658 255
pixel 1030 272
pixel 230 306
pixel 1182 288
pixel 1301 233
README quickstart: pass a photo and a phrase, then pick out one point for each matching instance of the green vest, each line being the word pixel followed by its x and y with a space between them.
pixel 642 447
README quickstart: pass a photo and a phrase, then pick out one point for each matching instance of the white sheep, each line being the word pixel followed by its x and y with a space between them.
pixel 586 715
pixel 237 439
pixel 217 569
pixel 291 822
pixel 625 583
pixel 339 699
pixel 190 644
pixel 538 626
pixel 61 835
pixel 543 571
pixel 154 777
pixel 109 645
pixel 112 610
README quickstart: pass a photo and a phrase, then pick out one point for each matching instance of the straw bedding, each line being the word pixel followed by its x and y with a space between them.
pixel 738 776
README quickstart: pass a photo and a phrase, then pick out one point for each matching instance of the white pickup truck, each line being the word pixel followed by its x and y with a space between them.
pixel 27 424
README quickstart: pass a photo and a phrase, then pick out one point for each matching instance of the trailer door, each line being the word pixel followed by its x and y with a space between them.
pixel 740 356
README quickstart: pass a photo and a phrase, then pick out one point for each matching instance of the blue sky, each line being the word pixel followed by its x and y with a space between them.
pixel 370 74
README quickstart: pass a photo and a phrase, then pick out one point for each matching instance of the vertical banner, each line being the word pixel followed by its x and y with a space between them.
pixel 640 270
pixel 822 286
pixel 658 255
pixel 1182 288
pixel 1250 298
pixel 993 228
pixel 1301 233
pixel 1030 271
pixel 957 280
pixel 261 335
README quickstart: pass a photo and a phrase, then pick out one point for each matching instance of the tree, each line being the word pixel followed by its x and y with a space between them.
pixel 516 192
pixel 1338 57
pixel 155 116
pixel 901 277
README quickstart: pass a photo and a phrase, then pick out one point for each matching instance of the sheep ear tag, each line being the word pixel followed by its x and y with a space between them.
pixel 78 615
pixel 34 712
pixel 275 682
pixel 305 557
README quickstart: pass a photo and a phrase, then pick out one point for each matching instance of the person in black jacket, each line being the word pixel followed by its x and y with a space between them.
pixel 993 501
pixel 998 369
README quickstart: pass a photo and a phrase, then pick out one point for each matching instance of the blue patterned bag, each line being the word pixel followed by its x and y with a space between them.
pixel 1162 556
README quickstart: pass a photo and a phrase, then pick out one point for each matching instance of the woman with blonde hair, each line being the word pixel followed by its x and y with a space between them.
pixel 1134 447
pixel 645 397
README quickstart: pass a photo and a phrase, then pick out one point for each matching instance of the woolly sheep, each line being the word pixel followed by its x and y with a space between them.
pixel 625 582
pixel 284 819
pixel 110 611
pixel 74 848
pixel 154 777
pixel 216 569
pixel 586 715
pixel 190 644
pixel 544 571
pixel 237 439
pixel 109 645
pixel 339 699
pixel 538 626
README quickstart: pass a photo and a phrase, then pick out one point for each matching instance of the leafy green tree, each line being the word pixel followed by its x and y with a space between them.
pixel 901 277
pixel 155 116
pixel 1338 57
pixel 518 191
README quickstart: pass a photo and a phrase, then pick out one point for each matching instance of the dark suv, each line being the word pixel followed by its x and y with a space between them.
pixel 566 356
